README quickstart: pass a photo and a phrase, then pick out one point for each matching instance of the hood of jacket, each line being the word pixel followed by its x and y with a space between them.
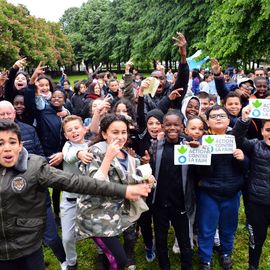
pixel 184 106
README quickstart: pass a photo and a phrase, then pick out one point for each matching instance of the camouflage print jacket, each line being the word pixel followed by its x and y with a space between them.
pixel 102 216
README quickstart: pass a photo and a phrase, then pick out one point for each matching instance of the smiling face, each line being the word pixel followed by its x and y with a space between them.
pixel 43 87
pixel 266 132
pixel 246 87
pixel 193 108
pixel 58 99
pixel 173 127
pixel 218 121
pixel 74 131
pixel 261 88
pixel 10 148
pixel 121 109
pixel 195 129
pixel 117 131
pixel 20 82
pixel 97 89
pixel 153 127
pixel 233 105
pixel 114 86
pixel 18 104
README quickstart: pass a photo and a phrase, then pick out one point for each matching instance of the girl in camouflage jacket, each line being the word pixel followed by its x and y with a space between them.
pixel 105 218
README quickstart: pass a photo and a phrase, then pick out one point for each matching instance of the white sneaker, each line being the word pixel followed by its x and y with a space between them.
pixel 176 249
pixel 63 265
pixel 132 267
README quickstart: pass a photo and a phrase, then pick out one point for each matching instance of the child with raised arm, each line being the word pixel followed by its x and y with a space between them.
pixel 109 217
pixel 218 201
pixel 24 181
pixel 258 185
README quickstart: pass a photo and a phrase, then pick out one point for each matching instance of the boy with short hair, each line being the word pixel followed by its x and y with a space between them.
pixel 74 150
pixel 219 186
pixel 173 199
pixel 204 101
pixel 258 185
pixel 24 181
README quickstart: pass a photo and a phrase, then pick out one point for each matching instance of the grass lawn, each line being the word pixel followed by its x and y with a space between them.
pixel 73 78
pixel 87 252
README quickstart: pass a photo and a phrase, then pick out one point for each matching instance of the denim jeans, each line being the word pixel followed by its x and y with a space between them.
pixel 34 261
pixel 213 214
pixel 51 237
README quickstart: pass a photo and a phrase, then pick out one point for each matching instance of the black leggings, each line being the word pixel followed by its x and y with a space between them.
pixel 114 251
pixel 258 219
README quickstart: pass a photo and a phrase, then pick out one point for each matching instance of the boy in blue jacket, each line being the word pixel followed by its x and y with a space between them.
pixel 219 186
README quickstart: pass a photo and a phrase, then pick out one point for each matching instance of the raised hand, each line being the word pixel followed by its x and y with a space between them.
pixel 246 112
pixel 215 66
pixel 181 42
pixel 146 158
pixel 38 71
pixel 175 94
pixel 113 149
pixel 19 63
pixel 238 154
pixel 129 64
pixel 160 67
pixel 131 152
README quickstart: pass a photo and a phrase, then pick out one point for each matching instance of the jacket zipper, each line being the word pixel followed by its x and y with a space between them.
pixel 1 213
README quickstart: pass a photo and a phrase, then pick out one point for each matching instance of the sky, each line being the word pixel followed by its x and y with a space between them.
pixel 50 10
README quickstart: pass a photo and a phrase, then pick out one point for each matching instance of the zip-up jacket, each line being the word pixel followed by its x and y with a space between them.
pixel 23 201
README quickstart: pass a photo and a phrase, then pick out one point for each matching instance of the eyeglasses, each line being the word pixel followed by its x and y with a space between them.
pixel 220 115
pixel 246 87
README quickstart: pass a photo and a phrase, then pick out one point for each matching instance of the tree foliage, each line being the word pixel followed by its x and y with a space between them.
pixel 23 35
pixel 239 30
pixel 112 31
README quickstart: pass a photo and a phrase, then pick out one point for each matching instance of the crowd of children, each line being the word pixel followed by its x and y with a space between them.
pixel 97 142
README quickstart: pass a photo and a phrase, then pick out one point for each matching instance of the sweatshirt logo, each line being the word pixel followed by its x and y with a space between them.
pixel 18 184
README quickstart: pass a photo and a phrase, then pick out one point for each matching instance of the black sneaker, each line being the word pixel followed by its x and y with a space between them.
pixel 205 266
pixel 102 262
pixel 226 262
pixel 72 267
pixel 251 267
pixel 130 262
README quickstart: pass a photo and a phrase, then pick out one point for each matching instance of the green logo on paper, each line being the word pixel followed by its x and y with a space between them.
pixel 257 103
pixel 182 150
pixel 209 139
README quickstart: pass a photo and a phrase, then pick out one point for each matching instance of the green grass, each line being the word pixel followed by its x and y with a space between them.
pixel 87 253
pixel 73 78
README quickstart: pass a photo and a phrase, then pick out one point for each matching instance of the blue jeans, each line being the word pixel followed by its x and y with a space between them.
pixel 51 237
pixel 34 261
pixel 213 214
